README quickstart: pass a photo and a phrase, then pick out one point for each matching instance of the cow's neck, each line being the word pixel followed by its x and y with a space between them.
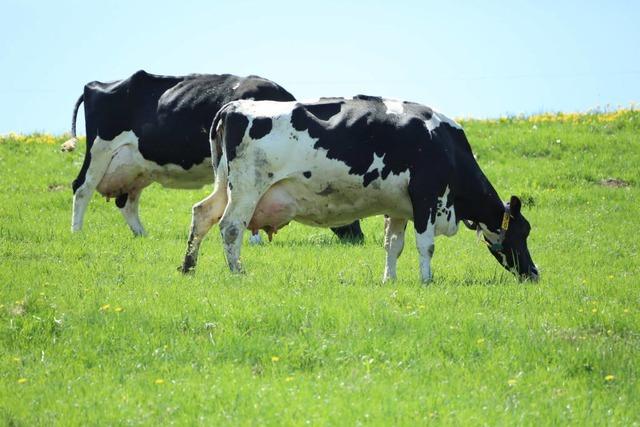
pixel 477 201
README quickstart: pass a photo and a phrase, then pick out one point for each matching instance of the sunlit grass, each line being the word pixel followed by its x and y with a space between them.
pixel 100 328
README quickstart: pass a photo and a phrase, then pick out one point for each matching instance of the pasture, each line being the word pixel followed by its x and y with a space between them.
pixel 100 328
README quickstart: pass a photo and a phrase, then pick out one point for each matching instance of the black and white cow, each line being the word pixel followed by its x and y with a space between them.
pixel 330 162
pixel 149 128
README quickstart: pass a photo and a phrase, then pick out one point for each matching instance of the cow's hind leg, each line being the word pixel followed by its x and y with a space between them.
pixel 232 225
pixel 393 243
pixel 205 214
pixel 128 204
pixel 101 154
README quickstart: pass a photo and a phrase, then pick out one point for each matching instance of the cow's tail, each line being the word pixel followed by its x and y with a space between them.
pixel 216 135
pixel 70 144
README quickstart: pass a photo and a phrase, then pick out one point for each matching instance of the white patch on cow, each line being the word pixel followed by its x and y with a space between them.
pixel 393 106
pixel 446 223
pixel 377 163
pixel 438 118
pixel 491 236
pixel 236 86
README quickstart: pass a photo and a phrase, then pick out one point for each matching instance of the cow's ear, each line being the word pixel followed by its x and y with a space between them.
pixel 515 206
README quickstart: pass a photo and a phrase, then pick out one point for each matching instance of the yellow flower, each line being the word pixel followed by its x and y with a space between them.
pixel 480 341
pixel 626 310
pixel 610 277
pixel 118 309
pixel 22 380
pixel 288 379
pixel 609 378
pixel 105 307
pixel 511 382
pixel 16 359
pixel 159 381
pixel 594 310
pixel 274 358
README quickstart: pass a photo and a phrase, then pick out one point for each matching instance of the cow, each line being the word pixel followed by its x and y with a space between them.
pixel 329 162
pixel 151 128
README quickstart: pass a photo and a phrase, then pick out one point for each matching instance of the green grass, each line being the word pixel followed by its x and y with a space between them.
pixel 309 334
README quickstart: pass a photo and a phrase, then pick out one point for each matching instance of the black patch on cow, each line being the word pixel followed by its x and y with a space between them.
pixel 236 126
pixel 230 186
pixel 370 176
pixel 325 111
pixel 270 174
pixel 260 127
pixel 121 200
pixel 307 174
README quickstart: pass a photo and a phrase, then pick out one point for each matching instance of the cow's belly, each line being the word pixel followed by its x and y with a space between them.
pixel 128 170
pixel 323 204
pixel 174 176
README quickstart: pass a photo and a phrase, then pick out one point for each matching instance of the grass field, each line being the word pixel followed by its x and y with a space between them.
pixel 100 328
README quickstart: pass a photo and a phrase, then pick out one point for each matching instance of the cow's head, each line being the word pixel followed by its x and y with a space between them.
pixel 510 247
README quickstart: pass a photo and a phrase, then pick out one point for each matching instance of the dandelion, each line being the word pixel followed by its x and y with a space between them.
pixel 22 380
pixel 118 309
pixel 511 382
pixel 626 310
pixel 609 378
pixel 480 341
pixel 105 307
pixel 288 379
pixel 159 381
pixel 594 310
pixel 16 359
pixel 610 277
pixel 274 359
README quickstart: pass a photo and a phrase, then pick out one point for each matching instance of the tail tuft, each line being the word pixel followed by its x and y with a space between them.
pixel 69 144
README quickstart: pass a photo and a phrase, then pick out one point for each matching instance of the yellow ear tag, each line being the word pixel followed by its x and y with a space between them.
pixel 505 221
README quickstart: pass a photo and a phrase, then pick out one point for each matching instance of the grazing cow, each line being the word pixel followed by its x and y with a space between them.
pixel 149 128
pixel 329 162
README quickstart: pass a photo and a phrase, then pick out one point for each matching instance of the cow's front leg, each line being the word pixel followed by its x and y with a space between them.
pixel 393 243
pixel 128 204
pixel 425 241
pixel 205 214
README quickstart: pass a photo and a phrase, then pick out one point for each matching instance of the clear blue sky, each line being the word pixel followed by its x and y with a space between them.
pixel 466 58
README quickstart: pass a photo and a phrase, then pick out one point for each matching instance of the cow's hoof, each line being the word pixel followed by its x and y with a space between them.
pixel 255 239
pixel 186 269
